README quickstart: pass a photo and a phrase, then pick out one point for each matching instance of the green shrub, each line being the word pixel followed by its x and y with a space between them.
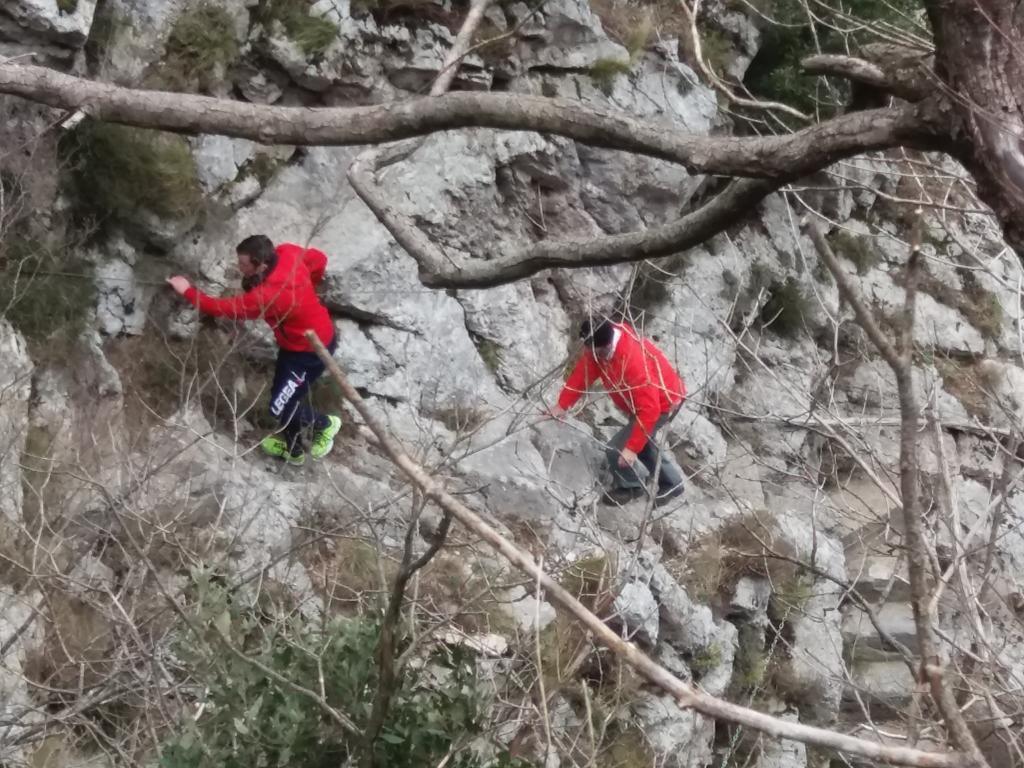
pixel 604 73
pixel 705 660
pixel 250 719
pixel 67 6
pixel 117 170
pixel 719 51
pixel 750 662
pixel 39 298
pixel 201 46
pixel 490 353
pixel 855 248
pixel 312 34
pixel 775 72
pixel 785 309
pixel 982 309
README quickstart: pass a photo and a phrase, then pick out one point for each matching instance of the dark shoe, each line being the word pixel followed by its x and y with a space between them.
pixel 620 496
pixel 665 496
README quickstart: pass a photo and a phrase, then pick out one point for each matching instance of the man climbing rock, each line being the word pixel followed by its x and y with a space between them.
pixel 280 286
pixel 642 383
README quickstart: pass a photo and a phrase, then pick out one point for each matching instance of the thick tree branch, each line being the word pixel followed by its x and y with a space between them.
pixel 788 156
pixel 888 68
pixel 438 271
pixel 684 694
pixel 978 63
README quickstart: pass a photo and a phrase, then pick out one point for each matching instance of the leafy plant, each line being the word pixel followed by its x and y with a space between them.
pixel 855 248
pixel 251 719
pixel 775 72
pixel 38 295
pixel 490 353
pixel 313 34
pixel 706 659
pixel 201 46
pixel 604 73
pixel 718 50
pixel 116 170
pixel 785 309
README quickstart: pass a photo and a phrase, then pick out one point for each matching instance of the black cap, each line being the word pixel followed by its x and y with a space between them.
pixel 599 335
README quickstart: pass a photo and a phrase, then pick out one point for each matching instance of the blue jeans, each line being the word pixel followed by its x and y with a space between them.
pixel 294 374
pixel 650 457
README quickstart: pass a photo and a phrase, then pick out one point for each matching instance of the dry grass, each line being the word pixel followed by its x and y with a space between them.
pixel 712 567
pixel 78 645
pixel 965 381
pixel 351 574
pixel 160 377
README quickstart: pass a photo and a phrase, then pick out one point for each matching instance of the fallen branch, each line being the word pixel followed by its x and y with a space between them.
pixel 685 695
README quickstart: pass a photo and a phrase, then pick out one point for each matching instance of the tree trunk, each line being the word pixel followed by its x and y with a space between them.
pixel 980 61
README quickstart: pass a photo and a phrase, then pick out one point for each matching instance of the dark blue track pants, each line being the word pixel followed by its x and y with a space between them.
pixel 290 404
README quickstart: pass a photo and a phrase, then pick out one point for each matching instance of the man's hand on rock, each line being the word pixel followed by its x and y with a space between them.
pixel 179 284
pixel 556 412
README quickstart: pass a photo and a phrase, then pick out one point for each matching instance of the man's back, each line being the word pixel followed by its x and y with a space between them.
pixel 638 364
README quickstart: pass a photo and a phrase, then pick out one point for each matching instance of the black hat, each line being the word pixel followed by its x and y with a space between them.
pixel 599 335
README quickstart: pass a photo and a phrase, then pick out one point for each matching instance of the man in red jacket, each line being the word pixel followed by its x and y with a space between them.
pixel 279 286
pixel 642 383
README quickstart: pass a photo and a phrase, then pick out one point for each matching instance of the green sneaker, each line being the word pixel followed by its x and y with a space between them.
pixel 324 442
pixel 275 446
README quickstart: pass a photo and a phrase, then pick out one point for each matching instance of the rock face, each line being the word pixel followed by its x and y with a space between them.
pixel 53 29
pixel 789 435
pixel 15 388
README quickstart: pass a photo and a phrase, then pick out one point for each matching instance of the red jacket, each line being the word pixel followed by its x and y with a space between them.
pixel 287 299
pixel 638 378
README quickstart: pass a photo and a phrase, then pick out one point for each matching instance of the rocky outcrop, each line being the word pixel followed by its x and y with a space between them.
pixel 791 424
pixel 15 388
pixel 51 29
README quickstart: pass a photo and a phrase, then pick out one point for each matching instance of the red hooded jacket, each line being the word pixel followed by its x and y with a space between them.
pixel 638 378
pixel 286 299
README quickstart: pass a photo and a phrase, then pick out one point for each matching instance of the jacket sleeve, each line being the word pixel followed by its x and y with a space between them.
pixel 316 262
pixel 246 306
pixel 583 375
pixel 647 408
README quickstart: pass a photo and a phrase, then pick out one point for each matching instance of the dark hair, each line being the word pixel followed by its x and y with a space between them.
pixel 260 250
pixel 597 332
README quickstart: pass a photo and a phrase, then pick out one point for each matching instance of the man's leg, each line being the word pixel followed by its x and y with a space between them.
pixel 287 398
pixel 622 478
pixel 325 426
pixel 670 477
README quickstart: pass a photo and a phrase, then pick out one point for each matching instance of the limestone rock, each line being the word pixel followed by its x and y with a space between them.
pixel 15 389
pixel 636 609
pixel 120 306
pixel 679 738
pixel 749 601
pixel 46 21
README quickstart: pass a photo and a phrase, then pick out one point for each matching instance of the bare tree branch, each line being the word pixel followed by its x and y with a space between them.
pixel 865 318
pixel 438 271
pixel 892 69
pixel 780 157
pixel 684 694
pixel 387 682
pixel 900 360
